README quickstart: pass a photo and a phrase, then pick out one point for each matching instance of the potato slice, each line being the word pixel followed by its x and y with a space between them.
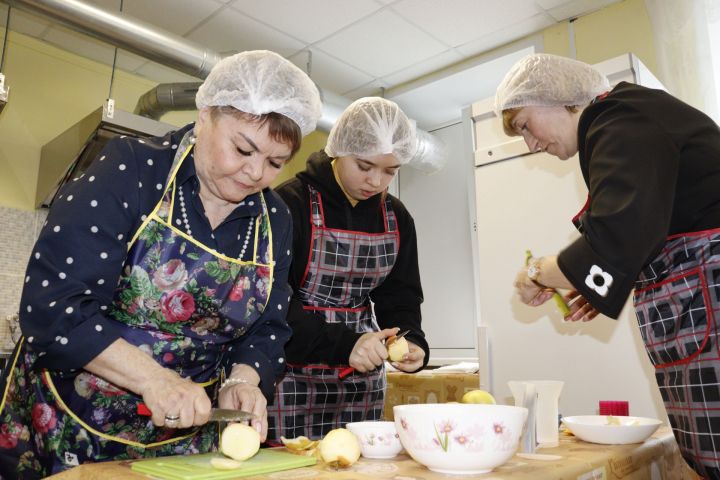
pixel 239 441
pixel 397 348
pixel 225 463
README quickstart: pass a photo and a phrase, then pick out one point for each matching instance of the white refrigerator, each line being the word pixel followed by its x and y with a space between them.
pixel 526 201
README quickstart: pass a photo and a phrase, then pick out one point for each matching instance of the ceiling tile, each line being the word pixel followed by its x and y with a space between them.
pixel 234 32
pixel 497 38
pixel 175 16
pixel 80 44
pixel 308 20
pixel 548 4
pixel 330 73
pixel 27 23
pixel 576 8
pixel 374 88
pixel 423 67
pixel 442 100
pixel 382 44
pixel 460 21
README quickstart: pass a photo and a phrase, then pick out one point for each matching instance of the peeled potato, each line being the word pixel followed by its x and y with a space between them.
pixel 225 463
pixel 340 447
pixel 478 396
pixel 397 348
pixel 239 441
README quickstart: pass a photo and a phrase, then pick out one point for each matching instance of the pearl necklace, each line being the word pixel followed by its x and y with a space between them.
pixel 186 223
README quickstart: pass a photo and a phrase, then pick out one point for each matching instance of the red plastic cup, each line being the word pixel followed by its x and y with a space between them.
pixel 617 408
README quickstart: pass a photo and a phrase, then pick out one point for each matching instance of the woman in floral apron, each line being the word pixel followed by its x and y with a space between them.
pixel 652 222
pixel 160 278
pixel 355 275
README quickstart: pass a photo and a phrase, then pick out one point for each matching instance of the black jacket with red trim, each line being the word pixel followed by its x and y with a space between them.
pixel 652 167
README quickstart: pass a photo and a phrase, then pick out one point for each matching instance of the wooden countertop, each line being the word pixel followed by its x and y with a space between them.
pixel 659 455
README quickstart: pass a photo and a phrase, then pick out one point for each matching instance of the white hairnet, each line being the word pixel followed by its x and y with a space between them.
pixel 549 80
pixel 373 126
pixel 260 82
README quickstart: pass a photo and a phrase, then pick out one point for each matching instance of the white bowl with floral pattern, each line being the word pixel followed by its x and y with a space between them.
pixel 377 439
pixel 459 438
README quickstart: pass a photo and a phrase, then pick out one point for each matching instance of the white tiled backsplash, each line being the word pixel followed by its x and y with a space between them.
pixel 18 231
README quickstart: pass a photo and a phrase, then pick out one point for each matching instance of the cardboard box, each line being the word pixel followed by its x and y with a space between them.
pixel 427 387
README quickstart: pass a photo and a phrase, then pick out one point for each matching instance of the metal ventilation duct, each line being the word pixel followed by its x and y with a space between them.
pixel 167 97
pixel 148 41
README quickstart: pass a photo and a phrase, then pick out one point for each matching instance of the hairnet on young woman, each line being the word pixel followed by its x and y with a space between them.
pixel 546 80
pixel 260 82
pixel 373 126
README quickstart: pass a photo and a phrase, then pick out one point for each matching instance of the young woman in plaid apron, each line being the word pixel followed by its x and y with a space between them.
pixel 354 275
pixel 159 301
pixel 652 167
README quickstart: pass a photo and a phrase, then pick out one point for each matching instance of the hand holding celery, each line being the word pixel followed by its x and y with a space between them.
pixel 559 301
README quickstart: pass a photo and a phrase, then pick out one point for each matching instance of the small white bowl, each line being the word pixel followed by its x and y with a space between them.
pixel 377 439
pixel 596 429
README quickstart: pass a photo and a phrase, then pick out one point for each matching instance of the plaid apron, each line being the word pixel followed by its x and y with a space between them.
pixel 677 302
pixel 182 303
pixel 343 268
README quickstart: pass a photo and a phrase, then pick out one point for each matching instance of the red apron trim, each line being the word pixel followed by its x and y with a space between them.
pixel 694 271
pixel 709 324
pixel 582 210
pixel 320 366
pixel 601 96
pixel 335 309
pixel 699 233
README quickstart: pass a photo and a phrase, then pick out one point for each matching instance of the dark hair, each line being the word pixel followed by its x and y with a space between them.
pixel 509 115
pixel 281 128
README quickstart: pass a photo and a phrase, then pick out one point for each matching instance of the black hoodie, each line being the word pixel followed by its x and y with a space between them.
pixel 397 300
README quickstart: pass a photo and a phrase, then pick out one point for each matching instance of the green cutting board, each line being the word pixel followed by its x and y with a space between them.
pixel 197 467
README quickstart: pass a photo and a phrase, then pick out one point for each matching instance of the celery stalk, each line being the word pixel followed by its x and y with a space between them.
pixel 559 301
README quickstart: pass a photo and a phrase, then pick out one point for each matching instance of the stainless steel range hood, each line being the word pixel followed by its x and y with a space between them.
pixel 69 154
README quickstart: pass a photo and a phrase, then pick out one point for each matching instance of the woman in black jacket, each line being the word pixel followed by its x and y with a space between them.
pixel 651 223
pixel 354 275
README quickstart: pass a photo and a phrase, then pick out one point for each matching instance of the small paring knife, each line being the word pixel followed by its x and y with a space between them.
pixel 216 414
pixel 401 334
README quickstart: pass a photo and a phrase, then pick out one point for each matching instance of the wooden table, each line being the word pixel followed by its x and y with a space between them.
pixel 657 457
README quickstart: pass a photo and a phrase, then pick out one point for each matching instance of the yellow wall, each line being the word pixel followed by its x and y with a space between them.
pixel 616 29
pixel 311 144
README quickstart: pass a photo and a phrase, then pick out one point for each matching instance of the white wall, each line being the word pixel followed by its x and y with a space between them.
pixel 439 203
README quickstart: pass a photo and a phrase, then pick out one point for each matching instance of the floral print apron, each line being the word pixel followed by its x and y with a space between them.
pixel 343 268
pixel 182 303
pixel 677 302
